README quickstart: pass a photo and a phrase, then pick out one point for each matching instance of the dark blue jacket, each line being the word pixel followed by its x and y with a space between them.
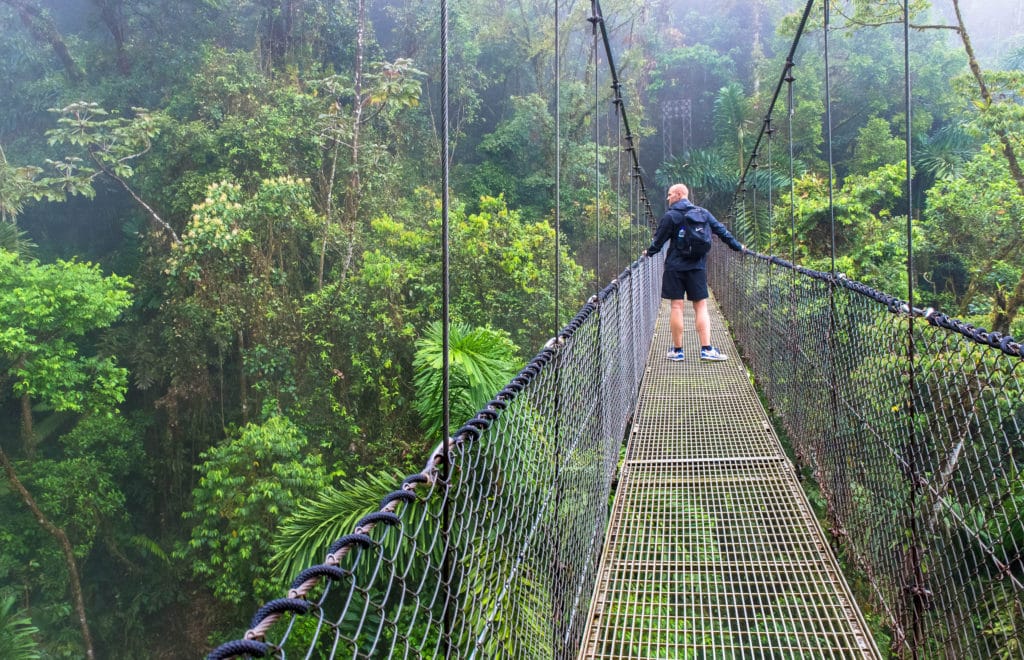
pixel 668 228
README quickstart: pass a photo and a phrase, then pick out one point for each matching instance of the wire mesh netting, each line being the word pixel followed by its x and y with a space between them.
pixel 502 561
pixel 911 423
pixel 713 550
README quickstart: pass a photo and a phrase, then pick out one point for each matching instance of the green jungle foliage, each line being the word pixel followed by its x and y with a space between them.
pixel 221 267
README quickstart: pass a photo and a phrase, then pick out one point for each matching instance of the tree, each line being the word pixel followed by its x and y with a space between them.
pixel 515 159
pixel 42 28
pixel 733 122
pixel 975 219
pixel 942 154
pixel 111 145
pixel 998 120
pixel 506 267
pixel 870 240
pixel 17 184
pixel 47 310
pixel 18 187
pixel 248 485
pixel 14 240
pixel 383 84
pixel 305 534
pixel 242 252
pixel 876 146
pixel 504 279
pixel 112 15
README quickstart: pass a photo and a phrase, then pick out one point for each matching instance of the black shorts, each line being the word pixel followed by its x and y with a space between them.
pixel 680 284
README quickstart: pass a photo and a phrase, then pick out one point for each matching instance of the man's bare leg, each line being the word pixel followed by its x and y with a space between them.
pixel 702 321
pixel 675 323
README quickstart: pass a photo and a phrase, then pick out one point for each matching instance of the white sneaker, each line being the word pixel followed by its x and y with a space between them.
pixel 675 354
pixel 712 354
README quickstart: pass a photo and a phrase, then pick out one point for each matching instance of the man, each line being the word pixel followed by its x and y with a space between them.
pixel 685 275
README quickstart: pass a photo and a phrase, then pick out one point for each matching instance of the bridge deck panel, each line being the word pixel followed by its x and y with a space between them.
pixel 712 549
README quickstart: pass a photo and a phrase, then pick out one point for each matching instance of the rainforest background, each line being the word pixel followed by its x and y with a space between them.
pixel 220 259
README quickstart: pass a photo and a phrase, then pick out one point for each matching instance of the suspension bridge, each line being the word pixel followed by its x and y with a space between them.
pixel 608 503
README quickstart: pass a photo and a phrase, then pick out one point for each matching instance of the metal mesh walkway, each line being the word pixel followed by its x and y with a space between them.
pixel 712 550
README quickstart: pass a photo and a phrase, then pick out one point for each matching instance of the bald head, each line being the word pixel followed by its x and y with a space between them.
pixel 677 192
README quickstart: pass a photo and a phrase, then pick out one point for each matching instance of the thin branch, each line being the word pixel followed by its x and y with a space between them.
pixel 152 213
pixel 65 545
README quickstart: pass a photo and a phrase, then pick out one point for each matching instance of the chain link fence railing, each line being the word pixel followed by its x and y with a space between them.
pixel 912 424
pixel 501 562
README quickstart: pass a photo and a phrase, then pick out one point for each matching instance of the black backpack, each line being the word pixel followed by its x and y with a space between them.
pixel 693 240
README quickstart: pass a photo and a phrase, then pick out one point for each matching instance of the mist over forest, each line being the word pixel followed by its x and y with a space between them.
pixel 221 269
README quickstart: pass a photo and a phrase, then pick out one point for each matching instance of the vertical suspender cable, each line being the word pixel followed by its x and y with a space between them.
pixel 632 239
pixel 641 200
pixel 789 78
pixel 632 148
pixel 771 267
pixel 753 195
pixel 594 19
pixel 558 169
pixel 446 472
pixel 740 195
pixel 828 146
pixel 558 593
pixel 771 190
pixel 833 383
pixel 618 183
pixel 631 252
pixel 598 20
pixel 786 77
pixel 918 588
pixel 743 204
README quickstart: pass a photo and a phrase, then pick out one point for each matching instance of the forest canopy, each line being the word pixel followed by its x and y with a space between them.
pixel 220 256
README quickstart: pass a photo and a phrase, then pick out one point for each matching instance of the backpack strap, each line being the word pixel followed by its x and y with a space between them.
pixel 677 215
pixel 696 213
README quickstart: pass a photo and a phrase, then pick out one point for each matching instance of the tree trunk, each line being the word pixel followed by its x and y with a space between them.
pixel 983 271
pixel 1006 308
pixel 1008 151
pixel 352 196
pixel 756 51
pixel 328 206
pixel 279 18
pixel 43 30
pixel 243 381
pixel 65 545
pixel 28 433
pixel 112 15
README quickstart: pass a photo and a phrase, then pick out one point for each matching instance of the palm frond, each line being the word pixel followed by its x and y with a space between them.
pixel 732 110
pixel 149 546
pixel 304 536
pixel 17 634
pixel 706 170
pixel 942 154
pixel 1015 60
pixel 14 240
pixel 481 362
